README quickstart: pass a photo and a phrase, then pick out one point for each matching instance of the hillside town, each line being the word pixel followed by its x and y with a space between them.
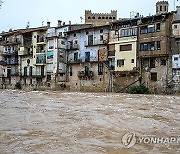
pixel 105 54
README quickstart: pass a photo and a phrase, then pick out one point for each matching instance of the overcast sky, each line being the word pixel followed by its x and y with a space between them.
pixel 16 13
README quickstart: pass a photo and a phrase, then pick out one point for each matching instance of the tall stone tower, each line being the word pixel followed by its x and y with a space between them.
pixel 100 18
pixel 162 7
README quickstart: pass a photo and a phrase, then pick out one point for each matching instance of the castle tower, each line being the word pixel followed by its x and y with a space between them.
pixel 162 7
pixel 100 18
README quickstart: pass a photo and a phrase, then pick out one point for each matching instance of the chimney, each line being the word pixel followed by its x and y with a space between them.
pixel 48 24
pixel 59 23
pixel 69 22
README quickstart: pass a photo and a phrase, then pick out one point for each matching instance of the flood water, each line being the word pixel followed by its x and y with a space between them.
pixel 86 123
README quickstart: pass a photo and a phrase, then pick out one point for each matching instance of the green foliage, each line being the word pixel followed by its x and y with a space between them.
pixel 18 85
pixel 141 89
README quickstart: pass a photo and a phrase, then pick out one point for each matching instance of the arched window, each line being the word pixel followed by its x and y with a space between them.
pixel 110 17
pixel 93 18
pixel 89 17
pixel 99 17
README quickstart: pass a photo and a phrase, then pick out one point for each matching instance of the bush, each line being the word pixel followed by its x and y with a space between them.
pixel 141 89
pixel 18 85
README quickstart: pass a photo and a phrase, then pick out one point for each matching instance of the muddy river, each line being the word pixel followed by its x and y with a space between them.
pixel 88 123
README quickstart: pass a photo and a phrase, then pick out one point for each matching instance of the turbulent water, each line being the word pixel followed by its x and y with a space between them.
pixel 89 123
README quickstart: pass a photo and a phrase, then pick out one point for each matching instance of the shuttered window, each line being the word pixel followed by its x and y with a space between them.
pixel 127 47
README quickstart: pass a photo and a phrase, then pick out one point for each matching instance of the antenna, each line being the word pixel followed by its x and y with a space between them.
pixel 81 19
pixel 28 25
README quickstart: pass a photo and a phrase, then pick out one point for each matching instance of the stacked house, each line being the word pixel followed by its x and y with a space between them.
pixel 104 54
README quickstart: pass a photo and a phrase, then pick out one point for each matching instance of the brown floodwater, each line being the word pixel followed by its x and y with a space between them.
pixel 87 123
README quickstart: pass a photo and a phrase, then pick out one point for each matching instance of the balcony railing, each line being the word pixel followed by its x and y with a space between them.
pixel 72 46
pixel 95 42
pixel 9 53
pixel 33 74
pixel 9 62
pixel 51 34
pixel 85 75
pixel 75 61
pixel 11 41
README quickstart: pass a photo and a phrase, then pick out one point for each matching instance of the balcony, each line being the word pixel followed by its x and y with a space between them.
pixel 41 40
pixel 9 62
pixel 10 53
pixel 15 73
pixel 51 35
pixel 41 59
pixel 75 61
pixel 95 42
pixel 13 41
pixel 85 75
pixel 72 46
pixel 33 74
pixel 24 52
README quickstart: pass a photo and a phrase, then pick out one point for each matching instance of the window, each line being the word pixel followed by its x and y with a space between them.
pixel 150 28
pixel 74 35
pixel 89 17
pixel 165 8
pixel 110 17
pixel 160 8
pixel 149 46
pixel 70 71
pixel 106 17
pixel 90 39
pixel 114 18
pixel 75 57
pixel 154 76
pixel 87 57
pixel 175 26
pixel 158 27
pixel 127 47
pixel 158 45
pixel 100 69
pixel 101 37
pixel 163 62
pixel 124 32
pixel 25 71
pixel 86 70
pixel 152 63
pixel 30 70
pixel 48 78
pixel 120 62
pixel 176 58
pixel 143 30
pixel 99 17
pixel 93 18
pixel 132 60
pixel 87 33
pixel 102 17
pixel 101 31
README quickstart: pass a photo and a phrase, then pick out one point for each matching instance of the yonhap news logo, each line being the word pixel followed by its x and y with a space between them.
pixel 130 139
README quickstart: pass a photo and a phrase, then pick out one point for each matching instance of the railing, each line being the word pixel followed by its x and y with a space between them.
pixel 32 74
pixel 95 42
pixel 51 34
pixel 85 75
pixel 12 41
pixel 15 52
pixel 9 62
pixel 73 46
pixel 75 61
